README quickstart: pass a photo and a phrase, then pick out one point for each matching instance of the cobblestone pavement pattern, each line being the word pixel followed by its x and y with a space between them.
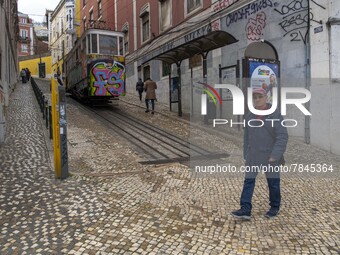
pixel 113 205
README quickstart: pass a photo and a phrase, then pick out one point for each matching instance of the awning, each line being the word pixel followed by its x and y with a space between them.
pixel 199 45
pixel 199 41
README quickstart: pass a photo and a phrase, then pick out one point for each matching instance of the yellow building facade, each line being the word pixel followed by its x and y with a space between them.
pixel 39 65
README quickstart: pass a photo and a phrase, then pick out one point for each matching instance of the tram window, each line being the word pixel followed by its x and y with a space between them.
pixel 94 48
pixel 121 46
pixel 88 44
pixel 108 44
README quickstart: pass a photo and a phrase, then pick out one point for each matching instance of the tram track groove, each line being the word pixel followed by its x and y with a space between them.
pixel 181 141
pixel 109 125
pixel 155 145
pixel 161 137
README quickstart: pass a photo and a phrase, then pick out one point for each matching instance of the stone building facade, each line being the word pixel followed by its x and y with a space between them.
pixel 26 40
pixel 9 31
pixel 182 44
pixel 293 40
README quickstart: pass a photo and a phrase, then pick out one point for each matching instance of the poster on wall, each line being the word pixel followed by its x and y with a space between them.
pixel 228 76
pixel 264 74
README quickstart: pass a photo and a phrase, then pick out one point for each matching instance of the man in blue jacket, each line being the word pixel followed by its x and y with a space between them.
pixel 263 148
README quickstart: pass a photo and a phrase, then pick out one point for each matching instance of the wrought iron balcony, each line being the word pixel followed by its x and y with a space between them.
pixel 24 39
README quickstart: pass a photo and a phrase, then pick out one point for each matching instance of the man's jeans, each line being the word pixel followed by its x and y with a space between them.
pixel 152 104
pixel 273 180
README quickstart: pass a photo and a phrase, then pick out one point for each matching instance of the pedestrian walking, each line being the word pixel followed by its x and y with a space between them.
pixel 263 149
pixel 23 75
pixel 139 88
pixel 150 88
pixel 28 74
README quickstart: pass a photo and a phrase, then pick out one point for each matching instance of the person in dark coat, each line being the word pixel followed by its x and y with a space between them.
pixel 23 75
pixel 263 147
pixel 150 88
pixel 28 74
pixel 139 88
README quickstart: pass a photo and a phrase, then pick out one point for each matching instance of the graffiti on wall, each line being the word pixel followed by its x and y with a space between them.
pixel 295 19
pixel 107 79
pixel 248 10
pixel 255 27
pixel 222 4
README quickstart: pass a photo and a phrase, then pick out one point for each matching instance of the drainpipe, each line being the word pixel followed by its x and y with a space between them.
pixel 308 76
pixel 333 24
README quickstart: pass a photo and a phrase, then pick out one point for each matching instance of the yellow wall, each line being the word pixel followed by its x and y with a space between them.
pixel 32 65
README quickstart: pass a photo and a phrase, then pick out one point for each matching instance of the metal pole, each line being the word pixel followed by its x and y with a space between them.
pixel 205 71
pixel 46 113
pixel 50 121
pixel 179 88
pixel 308 76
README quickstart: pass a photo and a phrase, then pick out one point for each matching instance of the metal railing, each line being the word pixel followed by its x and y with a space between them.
pixel 45 108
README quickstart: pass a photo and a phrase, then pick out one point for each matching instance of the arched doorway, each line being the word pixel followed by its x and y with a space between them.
pixel 261 68
pixel 262 50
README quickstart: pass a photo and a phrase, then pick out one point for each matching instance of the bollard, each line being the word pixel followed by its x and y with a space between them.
pixel 46 113
pixel 50 121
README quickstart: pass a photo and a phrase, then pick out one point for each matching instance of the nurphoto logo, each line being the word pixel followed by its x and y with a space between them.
pixel 238 104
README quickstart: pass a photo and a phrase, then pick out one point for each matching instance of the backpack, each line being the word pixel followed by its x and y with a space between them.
pixel 140 85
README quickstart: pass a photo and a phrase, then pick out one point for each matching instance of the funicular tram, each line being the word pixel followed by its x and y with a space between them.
pixel 95 67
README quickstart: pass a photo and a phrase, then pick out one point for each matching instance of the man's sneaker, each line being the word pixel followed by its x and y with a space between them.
pixel 241 214
pixel 152 112
pixel 146 110
pixel 272 212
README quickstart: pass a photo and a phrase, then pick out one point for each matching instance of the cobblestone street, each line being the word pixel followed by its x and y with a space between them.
pixel 112 204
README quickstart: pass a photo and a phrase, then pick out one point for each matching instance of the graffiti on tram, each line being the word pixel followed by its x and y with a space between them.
pixel 107 78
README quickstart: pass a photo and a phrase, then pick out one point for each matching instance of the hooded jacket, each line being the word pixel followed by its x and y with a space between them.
pixel 269 140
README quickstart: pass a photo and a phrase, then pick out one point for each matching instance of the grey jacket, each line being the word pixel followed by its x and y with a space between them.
pixel 260 143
